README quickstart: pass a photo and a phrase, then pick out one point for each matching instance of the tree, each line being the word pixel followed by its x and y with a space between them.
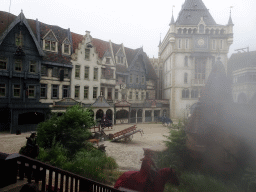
pixel 70 129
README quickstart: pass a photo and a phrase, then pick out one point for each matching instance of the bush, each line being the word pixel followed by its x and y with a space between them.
pixel 177 154
pixel 91 164
pixel 70 129
pixel 194 182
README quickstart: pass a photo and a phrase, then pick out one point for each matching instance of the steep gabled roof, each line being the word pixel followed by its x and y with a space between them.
pixel 191 13
pixel 76 39
pixel 101 46
pixel 130 54
pixel 9 21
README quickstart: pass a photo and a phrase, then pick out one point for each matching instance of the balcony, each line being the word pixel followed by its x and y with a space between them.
pixel 198 82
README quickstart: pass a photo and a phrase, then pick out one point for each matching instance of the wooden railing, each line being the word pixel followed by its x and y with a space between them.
pixel 59 180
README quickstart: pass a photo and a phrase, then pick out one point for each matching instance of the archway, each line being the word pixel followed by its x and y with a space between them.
pixel 133 116
pixel 109 114
pixel 122 116
pixel 148 117
pixel 30 118
pixel 156 115
pixel 242 98
pixel 139 116
pixel 99 115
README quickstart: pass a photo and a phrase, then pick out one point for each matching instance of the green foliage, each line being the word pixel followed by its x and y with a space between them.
pixel 176 155
pixel 194 182
pixel 91 164
pixel 70 129
pixel 249 179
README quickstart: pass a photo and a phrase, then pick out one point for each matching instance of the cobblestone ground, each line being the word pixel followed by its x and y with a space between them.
pixel 127 155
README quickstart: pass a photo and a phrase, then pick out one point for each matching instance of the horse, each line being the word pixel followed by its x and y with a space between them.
pixel 133 180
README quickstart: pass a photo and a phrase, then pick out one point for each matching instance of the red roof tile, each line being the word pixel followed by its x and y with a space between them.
pixel 76 39
pixel 101 46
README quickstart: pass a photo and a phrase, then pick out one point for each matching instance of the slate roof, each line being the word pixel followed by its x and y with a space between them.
pixel 5 20
pixel 191 13
pixel 121 68
pixel 241 60
pixel 61 34
pixel 100 103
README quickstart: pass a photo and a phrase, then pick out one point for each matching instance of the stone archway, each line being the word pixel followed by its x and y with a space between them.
pixel 99 115
pixel 148 116
pixel 133 116
pixel 242 98
pixel 139 116
pixel 122 116
pixel 109 114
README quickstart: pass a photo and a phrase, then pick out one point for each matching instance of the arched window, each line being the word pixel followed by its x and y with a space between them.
pixel 189 31
pixel 185 78
pixel 179 31
pixel 194 93
pixel 184 31
pixel 201 28
pixel 186 61
pixel 207 31
pixel 185 93
pixel 194 31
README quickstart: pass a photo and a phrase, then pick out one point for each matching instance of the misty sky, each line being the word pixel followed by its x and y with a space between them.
pixel 134 23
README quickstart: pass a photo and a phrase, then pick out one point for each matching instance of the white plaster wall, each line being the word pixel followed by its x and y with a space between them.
pixel 92 63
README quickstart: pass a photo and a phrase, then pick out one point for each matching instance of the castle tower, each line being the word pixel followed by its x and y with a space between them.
pixel 188 51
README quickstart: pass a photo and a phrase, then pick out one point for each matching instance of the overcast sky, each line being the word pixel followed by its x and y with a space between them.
pixel 134 23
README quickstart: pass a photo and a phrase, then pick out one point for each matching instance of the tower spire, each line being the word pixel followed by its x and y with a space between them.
pixel 172 20
pixel 230 22
pixel 160 40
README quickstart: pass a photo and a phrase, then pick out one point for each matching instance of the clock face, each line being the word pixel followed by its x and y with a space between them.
pixel 200 42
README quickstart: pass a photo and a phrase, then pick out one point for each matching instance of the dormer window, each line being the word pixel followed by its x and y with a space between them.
pixel 120 59
pixel 66 47
pixel 107 60
pixel 50 46
pixel 50 42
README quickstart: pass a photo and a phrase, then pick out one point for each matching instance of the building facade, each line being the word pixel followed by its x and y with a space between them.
pixel 20 71
pixel 188 51
pixel 242 73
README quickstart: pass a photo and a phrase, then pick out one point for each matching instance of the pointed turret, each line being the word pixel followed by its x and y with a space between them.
pixel 172 21
pixel 191 13
pixel 230 22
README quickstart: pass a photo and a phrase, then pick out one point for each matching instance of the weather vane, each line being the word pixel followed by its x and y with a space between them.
pixel 172 8
pixel 231 9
